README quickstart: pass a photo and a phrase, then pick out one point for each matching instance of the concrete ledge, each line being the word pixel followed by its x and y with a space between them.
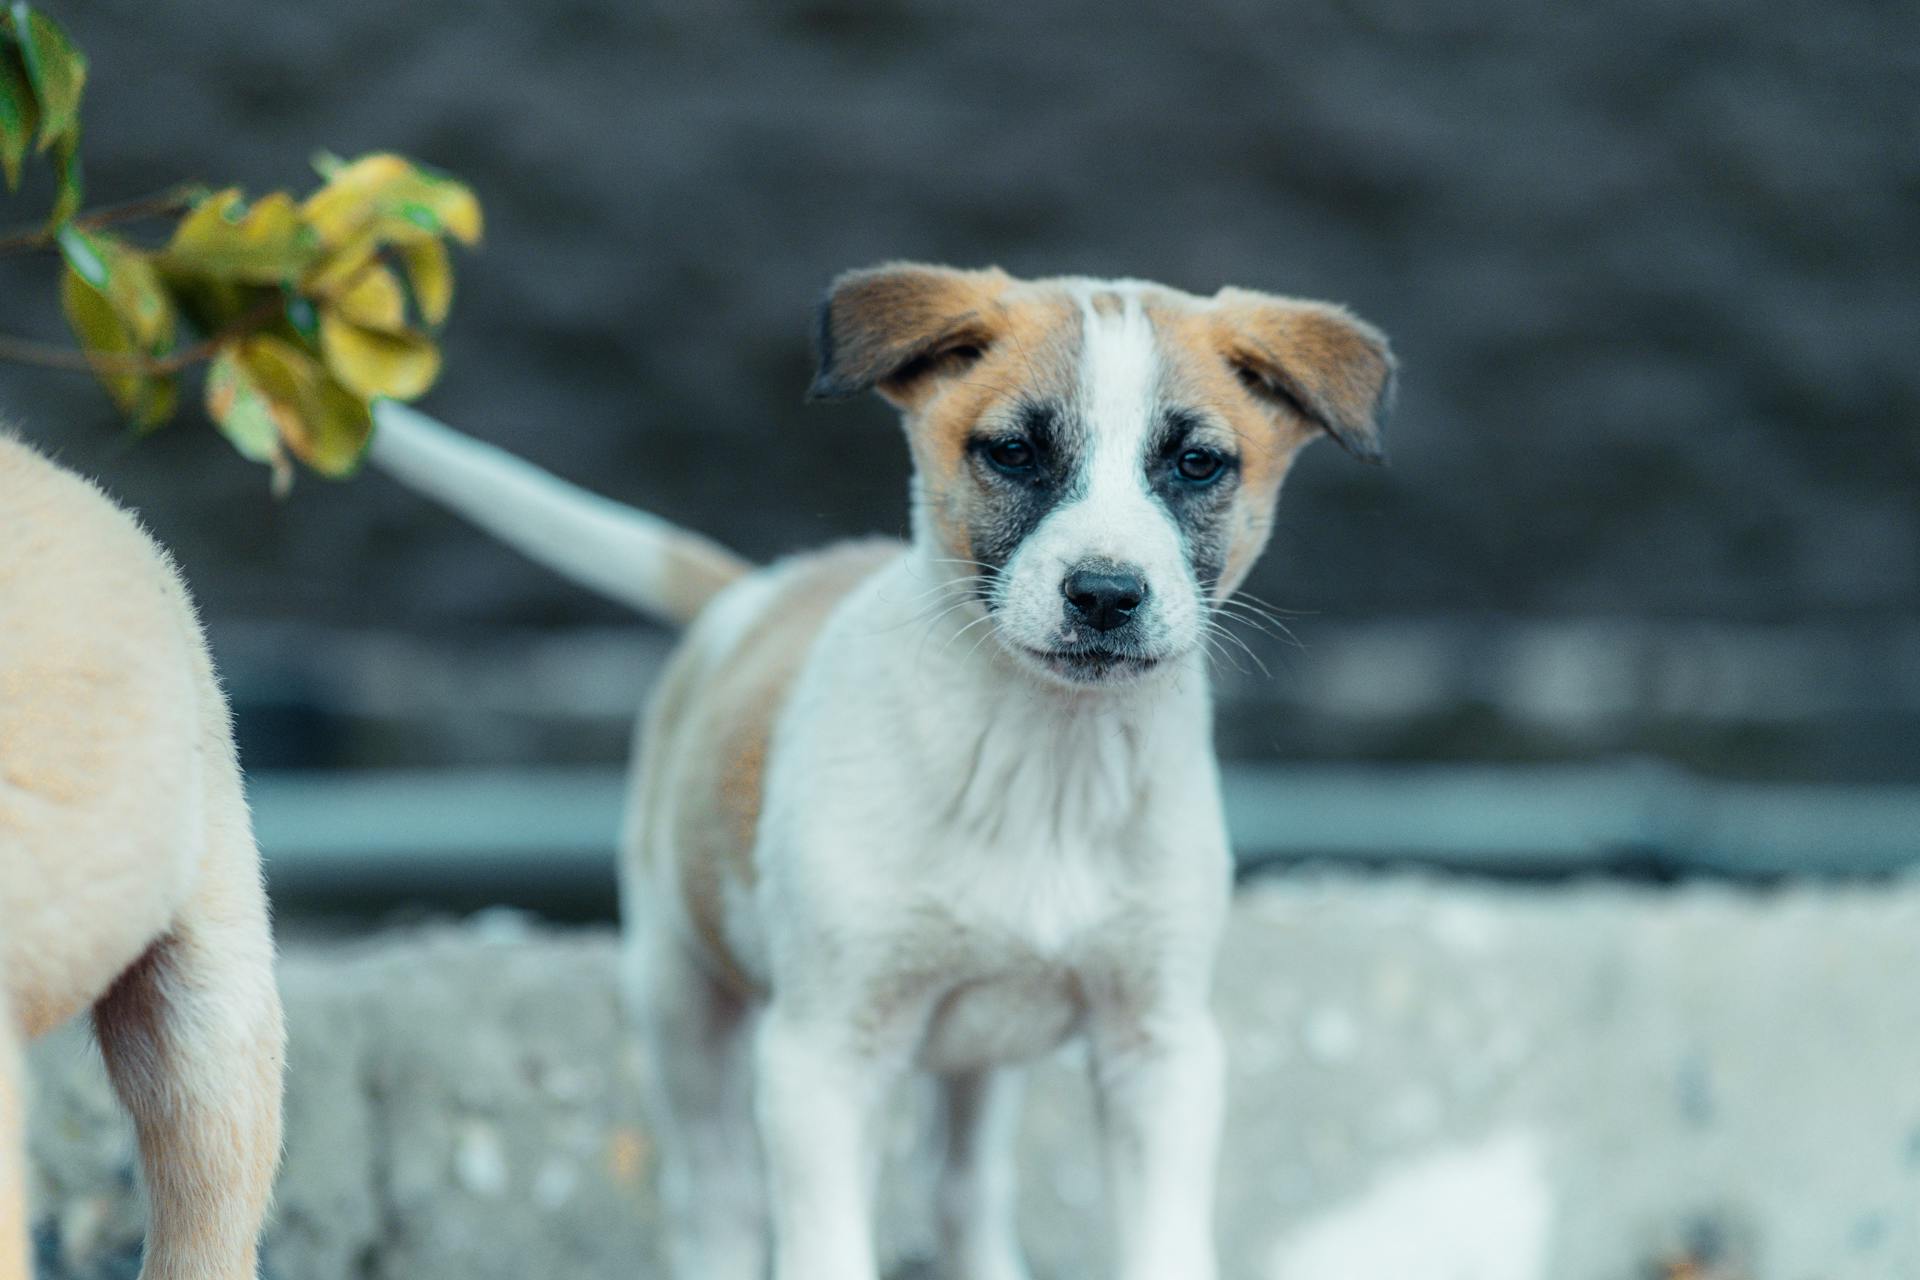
pixel 1433 1080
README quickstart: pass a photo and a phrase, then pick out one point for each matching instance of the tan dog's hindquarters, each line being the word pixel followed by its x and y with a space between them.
pixel 15 1255
pixel 129 880
pixel 942 807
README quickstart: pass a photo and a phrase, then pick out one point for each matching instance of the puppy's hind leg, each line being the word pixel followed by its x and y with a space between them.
pixel 698 1039
pixel 194 1043
pixel 980 1119
pixel 13 1153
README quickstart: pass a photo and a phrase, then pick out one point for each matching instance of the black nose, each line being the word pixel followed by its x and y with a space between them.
pixel 1103 598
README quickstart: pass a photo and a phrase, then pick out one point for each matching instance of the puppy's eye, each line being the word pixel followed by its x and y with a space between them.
pixel 1200 466
pixel 1012 455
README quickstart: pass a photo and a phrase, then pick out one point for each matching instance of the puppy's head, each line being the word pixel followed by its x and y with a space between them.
pixel 1102 456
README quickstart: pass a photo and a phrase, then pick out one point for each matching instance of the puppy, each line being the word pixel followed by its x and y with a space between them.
pixel 129 881
pixel 942 807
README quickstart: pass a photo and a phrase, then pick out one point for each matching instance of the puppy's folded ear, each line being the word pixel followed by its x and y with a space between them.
pixel 899 327
pixel 1314 359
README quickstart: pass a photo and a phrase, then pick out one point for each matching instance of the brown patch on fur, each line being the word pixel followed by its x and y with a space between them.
pixel 1195 371
pixel 1333 366
pixel 696 571
pixel 1031 352
pixel 1316 369
pixel 711 730
pixel 888 326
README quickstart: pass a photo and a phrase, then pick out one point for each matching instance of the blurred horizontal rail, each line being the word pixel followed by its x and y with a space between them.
pixel 520 828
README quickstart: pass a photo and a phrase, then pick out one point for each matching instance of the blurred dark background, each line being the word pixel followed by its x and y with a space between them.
pixel 1650 269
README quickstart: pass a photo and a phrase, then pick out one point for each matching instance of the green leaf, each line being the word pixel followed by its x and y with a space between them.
pixel 303 317
pixel 66 167
pixel 19 116
pixel 84 254
pixel 57 71
pixel 265 244
pixel 147 399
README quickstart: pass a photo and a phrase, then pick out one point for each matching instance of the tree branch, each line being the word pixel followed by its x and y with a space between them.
pixel 172 200
pixel 24 351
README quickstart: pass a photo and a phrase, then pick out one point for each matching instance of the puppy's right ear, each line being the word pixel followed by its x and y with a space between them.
pixel 900 327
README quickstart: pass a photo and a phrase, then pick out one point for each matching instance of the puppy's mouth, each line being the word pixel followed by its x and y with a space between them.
pixel 1089 665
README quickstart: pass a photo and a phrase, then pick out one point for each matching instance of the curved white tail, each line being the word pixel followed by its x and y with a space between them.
pixel 624 554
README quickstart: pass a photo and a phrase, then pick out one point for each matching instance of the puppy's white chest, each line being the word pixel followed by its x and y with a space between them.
pixel 1022 938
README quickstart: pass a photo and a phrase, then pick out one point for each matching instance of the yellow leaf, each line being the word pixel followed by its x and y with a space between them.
pixel 341 427
pixel 374 362
pixel 388 197
pixel 339 264
pixel 431 272
pixel 326 426
pixel 348 202
pixel 147 399
pixel 374 300
pixel 266 244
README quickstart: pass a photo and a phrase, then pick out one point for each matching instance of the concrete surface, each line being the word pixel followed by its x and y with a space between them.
pixel 1432 1080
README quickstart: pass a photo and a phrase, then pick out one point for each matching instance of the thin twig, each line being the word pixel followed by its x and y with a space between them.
pixel 26 351
pixel 23 351
pixel 172 200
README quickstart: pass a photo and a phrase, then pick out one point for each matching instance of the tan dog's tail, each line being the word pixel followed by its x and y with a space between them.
pixel 626 555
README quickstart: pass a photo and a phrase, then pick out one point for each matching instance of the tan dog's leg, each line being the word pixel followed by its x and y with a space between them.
pixel 13 1154
pixel 194 1042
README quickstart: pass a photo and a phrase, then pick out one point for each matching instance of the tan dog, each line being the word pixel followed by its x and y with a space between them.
pixel 129 880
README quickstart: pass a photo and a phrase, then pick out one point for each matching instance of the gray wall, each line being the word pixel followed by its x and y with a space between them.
pixel 1649 267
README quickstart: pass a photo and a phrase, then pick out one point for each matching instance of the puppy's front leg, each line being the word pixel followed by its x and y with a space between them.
pixel 820 1094
pixel 1159 1083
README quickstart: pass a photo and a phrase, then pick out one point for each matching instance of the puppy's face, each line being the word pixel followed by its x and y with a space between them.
pixel 1100 459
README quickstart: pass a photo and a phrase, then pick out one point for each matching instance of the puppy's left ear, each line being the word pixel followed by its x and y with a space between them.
pixel 900 327
pixel 1313 358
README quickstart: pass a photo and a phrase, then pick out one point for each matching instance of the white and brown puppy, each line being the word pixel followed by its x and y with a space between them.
pixel 129 881
pixel 944 806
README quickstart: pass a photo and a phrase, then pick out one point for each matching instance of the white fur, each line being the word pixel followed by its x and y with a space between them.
pixel 624 554
pixel 1116 518
pixel 961 863
pixel 960 868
